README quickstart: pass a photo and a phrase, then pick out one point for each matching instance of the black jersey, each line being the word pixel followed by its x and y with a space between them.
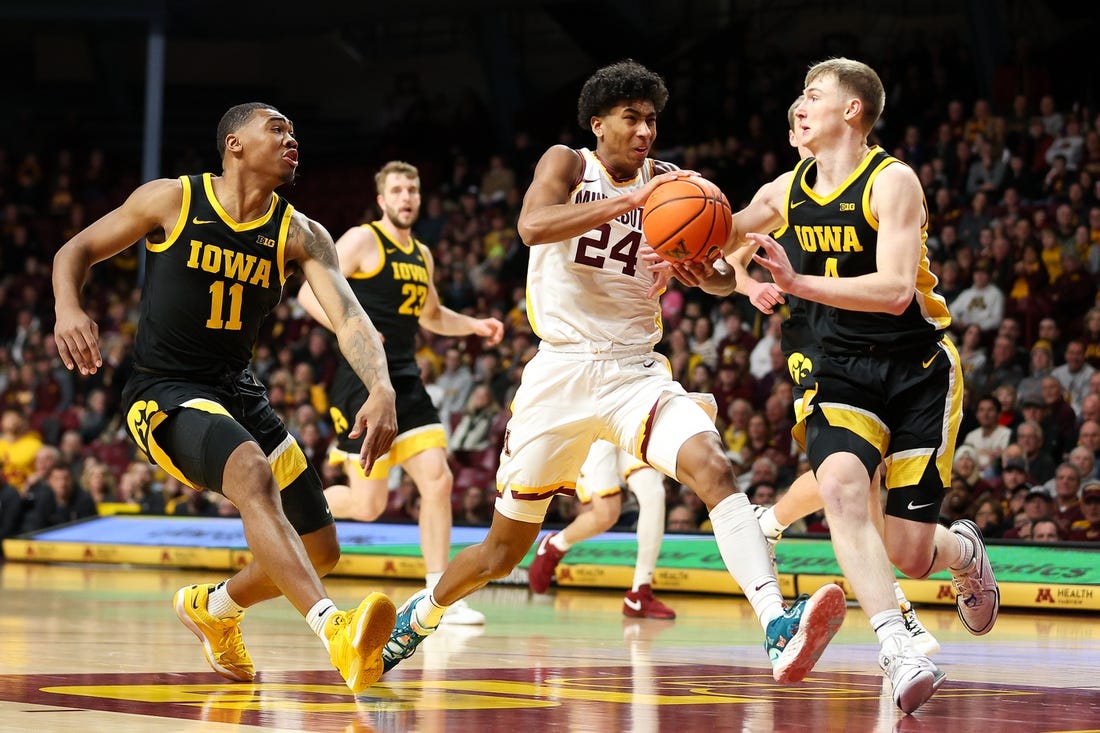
pixel 795 333
pixel 209 286
pixel 393 296
pixel 838 237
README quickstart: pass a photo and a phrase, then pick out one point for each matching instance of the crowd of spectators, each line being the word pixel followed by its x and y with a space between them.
pixel 1013 190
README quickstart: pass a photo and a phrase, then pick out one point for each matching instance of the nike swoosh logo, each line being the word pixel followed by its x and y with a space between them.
pixel 197 220
pixel 931 359
pixel 649 363
pixel 798 203
pixel 542 546
pixel 589 180
pixel 766 582
pixel 633 604
pixel 914 507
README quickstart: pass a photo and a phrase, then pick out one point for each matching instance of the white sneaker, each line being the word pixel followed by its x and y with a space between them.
pixel 913 677
pixel 922 638
pixel 459 613
pixel 978 597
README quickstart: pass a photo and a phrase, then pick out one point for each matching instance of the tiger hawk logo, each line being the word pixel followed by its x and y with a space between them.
pixel 800 367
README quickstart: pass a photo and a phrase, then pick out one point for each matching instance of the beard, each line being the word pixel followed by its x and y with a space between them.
pixel 405 221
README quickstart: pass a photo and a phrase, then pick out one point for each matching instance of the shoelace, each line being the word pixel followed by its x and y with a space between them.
pixel 233 643
pixel 398 646
pixel 968 584
pixel 909 618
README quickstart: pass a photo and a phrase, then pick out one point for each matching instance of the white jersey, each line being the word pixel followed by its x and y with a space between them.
pixel 589 293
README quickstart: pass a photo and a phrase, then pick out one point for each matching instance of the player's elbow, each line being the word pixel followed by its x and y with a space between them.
pixel 897 304
pixel 530 232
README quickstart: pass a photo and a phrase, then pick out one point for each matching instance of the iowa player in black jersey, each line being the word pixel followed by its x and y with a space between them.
pixel 800 350
pixel 218 249
pixel 889 384
pixel 391 274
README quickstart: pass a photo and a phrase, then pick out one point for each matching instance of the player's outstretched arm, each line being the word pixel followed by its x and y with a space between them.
pixel 897 202
pixel 440 319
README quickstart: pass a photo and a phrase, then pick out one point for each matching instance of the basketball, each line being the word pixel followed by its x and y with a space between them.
pixel 687 220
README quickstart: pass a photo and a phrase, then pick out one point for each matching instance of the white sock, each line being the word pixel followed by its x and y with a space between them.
pixel 318 615
pixel 428 611
pixel 888 623
pixel 220 604
pixel 966 552
pixel 432 579
pixel 560 542
pixel 770 526
pixel 745 553
pixel 649 489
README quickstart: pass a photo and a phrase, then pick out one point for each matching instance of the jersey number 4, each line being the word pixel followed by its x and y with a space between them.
pixel 624 251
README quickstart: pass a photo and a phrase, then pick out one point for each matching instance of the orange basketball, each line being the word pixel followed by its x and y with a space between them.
pixel 687 220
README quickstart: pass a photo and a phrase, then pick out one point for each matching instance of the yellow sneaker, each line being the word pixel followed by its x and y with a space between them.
pixel 221 638
pixel 355 640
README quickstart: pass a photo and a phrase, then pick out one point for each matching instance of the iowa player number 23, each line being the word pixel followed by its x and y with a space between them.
pixel 415 295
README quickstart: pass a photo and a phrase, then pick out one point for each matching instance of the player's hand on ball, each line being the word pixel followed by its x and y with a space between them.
pixel 656 181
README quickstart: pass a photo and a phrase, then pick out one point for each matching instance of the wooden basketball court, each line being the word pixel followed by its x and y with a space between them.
pixel 98 648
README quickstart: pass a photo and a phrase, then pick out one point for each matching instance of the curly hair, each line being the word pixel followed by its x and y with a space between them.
pixel 619 82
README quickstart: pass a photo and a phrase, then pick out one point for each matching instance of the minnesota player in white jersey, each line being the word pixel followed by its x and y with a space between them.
pixel 596 376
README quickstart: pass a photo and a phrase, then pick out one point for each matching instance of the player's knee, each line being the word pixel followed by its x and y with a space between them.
pixel 370 505
pixel 908 555
pixel 607 513
pixel 248 476
pixel 911 565
pixel 501 559
pixel 838 495
pixel 648 487
pixel 709 475
pixel 438 486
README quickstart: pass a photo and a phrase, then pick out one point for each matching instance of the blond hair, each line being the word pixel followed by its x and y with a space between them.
pixel 857 78
pixel 394 166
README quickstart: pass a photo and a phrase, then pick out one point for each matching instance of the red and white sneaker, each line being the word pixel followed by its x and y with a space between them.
pixel 546 561
pixel 642 604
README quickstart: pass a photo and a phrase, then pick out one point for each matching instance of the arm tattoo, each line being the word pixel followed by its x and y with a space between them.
pixel 363 349
pixel 358 338
pixel 316 247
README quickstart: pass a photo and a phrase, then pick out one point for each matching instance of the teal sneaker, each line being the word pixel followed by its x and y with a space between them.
pixel 795 640
pixel 407 633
